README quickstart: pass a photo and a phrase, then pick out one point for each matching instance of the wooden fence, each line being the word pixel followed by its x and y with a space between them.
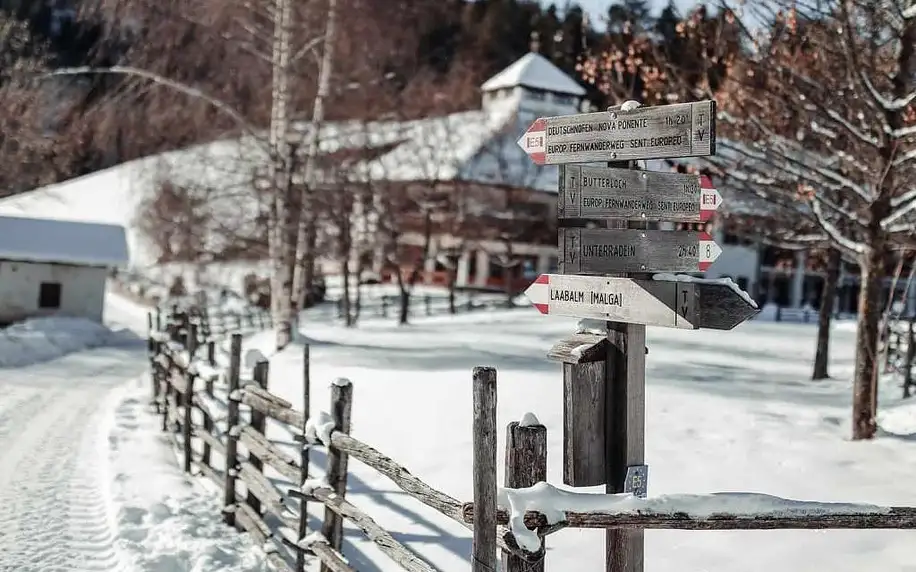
pixel 224 440
pixel 217 419
pixel 426 305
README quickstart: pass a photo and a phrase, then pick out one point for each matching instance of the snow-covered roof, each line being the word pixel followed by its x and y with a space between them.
pixel 62 241
pixel 535 71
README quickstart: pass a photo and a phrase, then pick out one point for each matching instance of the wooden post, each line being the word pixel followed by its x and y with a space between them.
pixel 910 355
pixel 158 318
pixel 341 405
pixel 484 543
pixel 526 465
pixel 624 421
pixel 208 421
pixel 211 361
pixel 187 399
pixel 427 301
pixel 259 424
pixel 384 306
pixel 232 421
pixel 304 453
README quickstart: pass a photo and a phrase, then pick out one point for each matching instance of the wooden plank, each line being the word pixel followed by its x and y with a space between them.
pixel 232 421
pixel 268 496
pixel 526 465
pixel 678 130
pixel 258 445
pixel 484 469
pixel 403 556
pixel 211 442
pixel 272 410
pixel 187 401
pixel 583 423
pixel 614 251
pixel 625 427
pixel 894 518
pixel 304 469
pixel 250 521
pixel 666 302
pixel 593 192
pixel 579 348
pixel 258 424
pixel 341 407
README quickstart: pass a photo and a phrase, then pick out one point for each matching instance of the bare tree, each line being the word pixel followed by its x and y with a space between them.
pixel 824 111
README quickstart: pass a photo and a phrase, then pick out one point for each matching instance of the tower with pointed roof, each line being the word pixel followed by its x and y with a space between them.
pixel 536 85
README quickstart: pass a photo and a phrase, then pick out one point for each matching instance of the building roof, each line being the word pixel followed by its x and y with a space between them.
pixel 62 241
pixel 535 71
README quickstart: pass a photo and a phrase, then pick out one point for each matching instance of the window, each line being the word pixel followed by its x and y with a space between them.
pixel 49 295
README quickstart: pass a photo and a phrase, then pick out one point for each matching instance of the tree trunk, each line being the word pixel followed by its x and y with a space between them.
pixel 828 297
pixel 908 360
pixel 345 295
pixel 404 298
pixel 452 278
pixel 308 232
pixel 865 378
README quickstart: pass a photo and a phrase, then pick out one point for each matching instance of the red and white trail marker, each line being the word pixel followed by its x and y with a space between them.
pixel 710 199
pixel 534 141
pixel 614 251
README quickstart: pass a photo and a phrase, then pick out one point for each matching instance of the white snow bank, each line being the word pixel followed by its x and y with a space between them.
pixel 554 503
pixel 42 339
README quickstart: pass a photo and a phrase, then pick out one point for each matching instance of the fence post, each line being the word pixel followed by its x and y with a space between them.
pixel 259 424
pixel 304 453
pixel 526 465
pixel 188 398
pixel 910 356
pixel 384 306
pixel 232 421
pixel 208 421
pixel 341 404
pixel 427 301
pixel 484 543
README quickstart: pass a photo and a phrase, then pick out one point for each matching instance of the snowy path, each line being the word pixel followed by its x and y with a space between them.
pixel 53 482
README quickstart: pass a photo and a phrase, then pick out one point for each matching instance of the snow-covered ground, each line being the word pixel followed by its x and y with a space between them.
pixel 89 483
pixel 726 411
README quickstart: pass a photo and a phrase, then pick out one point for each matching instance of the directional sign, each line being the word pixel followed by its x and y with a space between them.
pixel 669 303
pixel 679 130
pixel 611 251
pixel 602 193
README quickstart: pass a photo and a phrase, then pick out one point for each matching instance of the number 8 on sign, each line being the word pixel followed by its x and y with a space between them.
pixel 709 252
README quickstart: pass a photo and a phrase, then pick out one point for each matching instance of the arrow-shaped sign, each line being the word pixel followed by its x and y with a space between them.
pixel 603 193
pixel 612 251
pixel 669 301
pixel 678 130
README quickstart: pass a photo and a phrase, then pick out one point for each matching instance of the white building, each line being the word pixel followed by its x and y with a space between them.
pixel 472 151
pixel 56 267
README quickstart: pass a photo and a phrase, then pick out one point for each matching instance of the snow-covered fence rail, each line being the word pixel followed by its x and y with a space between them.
pixel 533 509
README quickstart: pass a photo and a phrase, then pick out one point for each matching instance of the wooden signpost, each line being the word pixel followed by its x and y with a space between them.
pixel 608 259
pixel 680 130
pixel 605 251
pixel 658 302
pixel 600 192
